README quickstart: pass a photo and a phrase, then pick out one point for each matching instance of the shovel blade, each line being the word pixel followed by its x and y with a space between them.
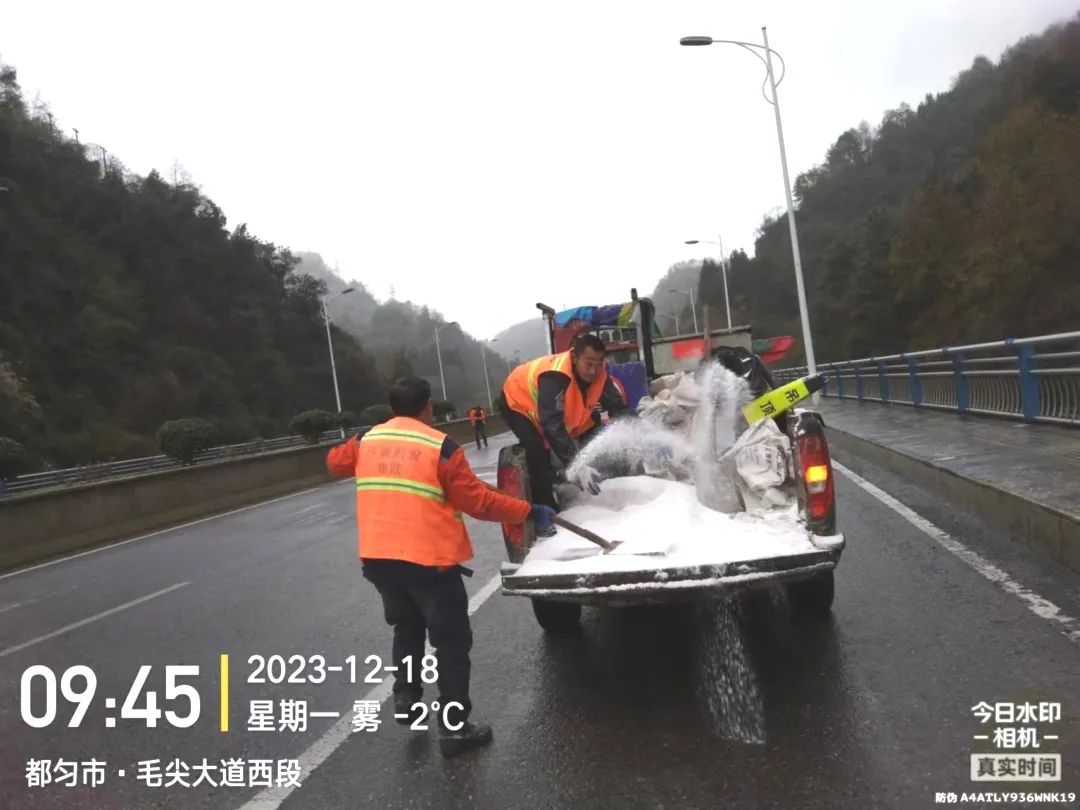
pixel 645 546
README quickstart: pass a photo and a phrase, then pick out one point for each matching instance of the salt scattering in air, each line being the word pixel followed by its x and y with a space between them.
pixel 665 493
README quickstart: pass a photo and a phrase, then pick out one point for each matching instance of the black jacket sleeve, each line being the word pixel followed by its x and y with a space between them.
pixel 611 400
pixel 551 388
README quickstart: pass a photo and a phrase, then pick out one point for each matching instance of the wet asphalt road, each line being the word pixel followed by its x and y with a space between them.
pixel 870 708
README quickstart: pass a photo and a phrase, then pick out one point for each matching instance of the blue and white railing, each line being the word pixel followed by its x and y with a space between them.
pixel 1036 379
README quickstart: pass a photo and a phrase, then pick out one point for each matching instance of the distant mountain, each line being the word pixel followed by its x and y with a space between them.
pixel 523 340
pixel 400 336
pixel 353 311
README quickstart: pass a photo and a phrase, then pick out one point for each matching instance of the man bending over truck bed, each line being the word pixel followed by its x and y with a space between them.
pixel 554 402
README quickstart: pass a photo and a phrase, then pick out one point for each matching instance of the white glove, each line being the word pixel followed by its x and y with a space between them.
pixel 588 479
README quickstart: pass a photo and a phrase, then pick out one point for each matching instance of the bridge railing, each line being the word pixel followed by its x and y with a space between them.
pixel 1036 379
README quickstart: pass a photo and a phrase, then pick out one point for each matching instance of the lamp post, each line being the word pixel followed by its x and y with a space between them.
pixel 438 354
pixel 693 305
pixel 330 347
pixel 487 383
pixel 723 269
pixel 754 48
pixel 675 318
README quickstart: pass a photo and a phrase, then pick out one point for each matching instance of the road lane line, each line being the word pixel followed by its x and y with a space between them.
pixel 69 627
pixel 338 733
pixel 1039 605
pixel 155 533
pixel 223 703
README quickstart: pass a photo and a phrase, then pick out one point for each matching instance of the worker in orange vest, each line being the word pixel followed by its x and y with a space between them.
pixel 412 484
pixel 479 417
pixel 554 404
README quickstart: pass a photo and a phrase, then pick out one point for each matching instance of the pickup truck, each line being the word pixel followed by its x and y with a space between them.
pixel 557 598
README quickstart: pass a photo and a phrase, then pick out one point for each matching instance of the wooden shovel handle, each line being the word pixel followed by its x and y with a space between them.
pixel 573 527
pixel 590 536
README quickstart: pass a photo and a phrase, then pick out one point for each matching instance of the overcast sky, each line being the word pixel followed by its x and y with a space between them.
pixel 482 156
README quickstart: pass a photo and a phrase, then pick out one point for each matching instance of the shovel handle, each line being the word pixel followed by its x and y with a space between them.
pixel 590 536
pixel 607 545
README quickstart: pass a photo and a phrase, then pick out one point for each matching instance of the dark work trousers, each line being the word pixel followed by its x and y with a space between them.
pixel 481 433
pixel 541 477
pixel 419 600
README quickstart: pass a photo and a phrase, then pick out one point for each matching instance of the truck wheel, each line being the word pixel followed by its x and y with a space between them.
pixel 557 617
pixel 812 597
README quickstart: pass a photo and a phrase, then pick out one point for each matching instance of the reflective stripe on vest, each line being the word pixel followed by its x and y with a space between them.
pixel 402 511
pixel 401 485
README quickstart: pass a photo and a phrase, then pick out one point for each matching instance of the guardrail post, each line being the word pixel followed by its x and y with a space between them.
pixel 960 383
pixel 839 383
pixel 883 381
pixel 1029 383
pixel 858 384
pixel 914 383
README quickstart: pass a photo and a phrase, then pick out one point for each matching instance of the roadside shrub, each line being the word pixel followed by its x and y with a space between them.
pixel 375 414
pixel 346 419
pixel 12 458
pixel 443 410
pixel 312 424
pixel 182 439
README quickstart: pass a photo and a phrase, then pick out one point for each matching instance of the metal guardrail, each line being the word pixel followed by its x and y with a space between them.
pixel 140 466
pixel 90 473
pixel 1036 379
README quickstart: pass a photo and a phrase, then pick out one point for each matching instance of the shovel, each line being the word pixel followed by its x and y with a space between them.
pixel 607 545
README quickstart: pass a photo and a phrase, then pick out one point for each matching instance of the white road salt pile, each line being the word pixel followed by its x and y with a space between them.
pixel 651 514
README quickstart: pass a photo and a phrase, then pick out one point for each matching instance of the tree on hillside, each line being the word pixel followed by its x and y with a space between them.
pixel 125 302
pixel 951 222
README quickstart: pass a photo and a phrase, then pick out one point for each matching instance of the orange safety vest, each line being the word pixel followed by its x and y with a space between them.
pixel 401 509
pixel 477 415
pixel 522 392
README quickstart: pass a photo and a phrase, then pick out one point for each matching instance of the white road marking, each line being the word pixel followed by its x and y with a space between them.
pixel 155 534
pixel 68 628
pixel 338 733
pixel 1037 604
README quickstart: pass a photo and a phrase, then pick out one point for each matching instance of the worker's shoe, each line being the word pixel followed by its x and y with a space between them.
pixel 469 736
pixel 404 713
pixel 546 531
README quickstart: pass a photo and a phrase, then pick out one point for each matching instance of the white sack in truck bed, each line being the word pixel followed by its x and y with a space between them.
pixel 692 430
pixel 686 483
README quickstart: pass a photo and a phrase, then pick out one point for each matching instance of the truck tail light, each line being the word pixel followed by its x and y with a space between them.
pixel 509 483
pixel 817 473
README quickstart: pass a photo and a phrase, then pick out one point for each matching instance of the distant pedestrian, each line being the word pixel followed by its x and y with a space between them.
pixel 412 484
pixel 479 419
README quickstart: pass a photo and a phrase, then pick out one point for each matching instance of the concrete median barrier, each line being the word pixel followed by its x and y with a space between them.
pixel 48 523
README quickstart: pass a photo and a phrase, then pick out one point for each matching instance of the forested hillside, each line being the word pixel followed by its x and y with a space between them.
pixel 954 221
pixel 125 302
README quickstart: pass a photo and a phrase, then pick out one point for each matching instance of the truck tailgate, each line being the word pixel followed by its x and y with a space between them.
pixel 665 583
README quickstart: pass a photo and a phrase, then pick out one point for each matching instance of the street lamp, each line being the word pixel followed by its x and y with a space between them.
pixel 330 346
pixel 753 48
pixel 693 306
pixel 723 269
pixel 438 353
pixel 674 317
pixel 487 382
